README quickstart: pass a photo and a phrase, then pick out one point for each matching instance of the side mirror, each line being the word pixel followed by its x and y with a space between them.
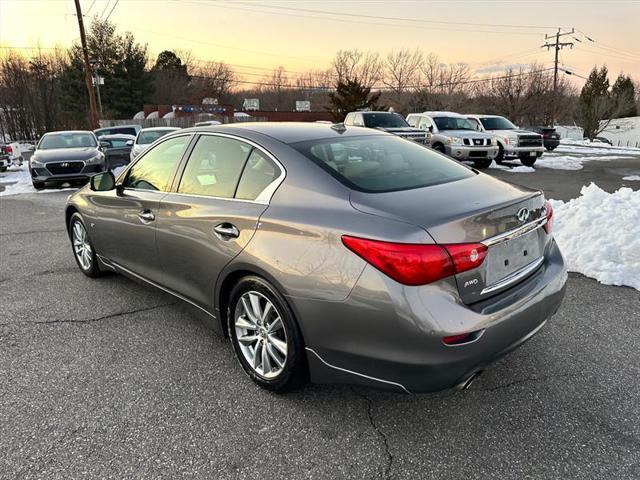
pixel 129 143
pixel 104 144
pixel 102 182
pixel 430 128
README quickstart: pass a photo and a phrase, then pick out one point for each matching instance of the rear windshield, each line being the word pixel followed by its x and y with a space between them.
pixel 151 136
pixel 115 131
pixel 384 120
pixel 382 163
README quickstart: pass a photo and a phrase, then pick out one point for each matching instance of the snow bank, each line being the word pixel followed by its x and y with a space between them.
pixel 572 162
pixel 519 169
pixel 632 178
pixel 599 234
pixel 585 146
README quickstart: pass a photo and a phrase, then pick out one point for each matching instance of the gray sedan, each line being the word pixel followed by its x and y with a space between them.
pixel 66 157
pixel 329 253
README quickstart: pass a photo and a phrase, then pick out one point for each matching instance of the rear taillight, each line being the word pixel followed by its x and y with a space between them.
pixel 417 264
pixel 9 149
pixel 549 225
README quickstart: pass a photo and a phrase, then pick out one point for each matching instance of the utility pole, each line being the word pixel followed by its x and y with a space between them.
pixel 93 114
pixel 558 45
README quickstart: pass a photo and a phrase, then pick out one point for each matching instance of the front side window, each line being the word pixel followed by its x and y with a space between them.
pixel 474 123
pixel 154 170
pixel 214 167
pixel 382 163
pixel 258 173
pixel 413 120
pixel 425 123
pixel 452 123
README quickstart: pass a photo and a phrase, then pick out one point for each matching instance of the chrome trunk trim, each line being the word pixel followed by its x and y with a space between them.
pixel 516 232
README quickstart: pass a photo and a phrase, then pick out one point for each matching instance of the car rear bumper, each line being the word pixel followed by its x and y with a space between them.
pixel 389 336
pixel 467 152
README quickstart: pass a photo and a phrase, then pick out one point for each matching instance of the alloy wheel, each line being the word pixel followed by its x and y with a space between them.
pixel 261 334
pixel 81 246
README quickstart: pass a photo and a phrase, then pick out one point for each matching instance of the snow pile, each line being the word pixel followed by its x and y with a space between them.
pixel 632 178
pixel 519 169
pixel 599 234
pixel 568 143
pixel 17 180
pixel 569 162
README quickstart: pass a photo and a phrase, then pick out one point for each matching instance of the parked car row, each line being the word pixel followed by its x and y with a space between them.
pixel 476 138
pixel 75 156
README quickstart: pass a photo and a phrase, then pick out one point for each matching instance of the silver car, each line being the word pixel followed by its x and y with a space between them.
pixel 329 253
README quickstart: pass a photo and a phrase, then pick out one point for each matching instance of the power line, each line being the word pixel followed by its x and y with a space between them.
pixel 90 7
pixel 111 11
pixel 105 9
pixel 252 8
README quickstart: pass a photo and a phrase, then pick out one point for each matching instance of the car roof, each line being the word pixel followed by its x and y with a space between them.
pixel 133 125
pixel 289 132
pixel 443 113
pixel 376 112
pixel 155 129
pixel 482 115
pixel 69 131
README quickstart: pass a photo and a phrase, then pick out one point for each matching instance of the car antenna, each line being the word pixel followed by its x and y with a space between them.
pixel 339 127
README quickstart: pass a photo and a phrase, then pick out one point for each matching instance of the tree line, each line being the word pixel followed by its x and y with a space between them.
pixel 45 90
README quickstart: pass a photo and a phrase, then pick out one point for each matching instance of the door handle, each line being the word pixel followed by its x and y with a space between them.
pixel 227 231
pixel 146 216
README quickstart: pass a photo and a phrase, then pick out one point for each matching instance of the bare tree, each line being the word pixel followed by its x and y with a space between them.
pixel 367 68
pixel 213 79
pixel 402 73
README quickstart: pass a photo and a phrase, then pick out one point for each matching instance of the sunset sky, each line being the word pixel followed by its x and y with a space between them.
pixel 256 35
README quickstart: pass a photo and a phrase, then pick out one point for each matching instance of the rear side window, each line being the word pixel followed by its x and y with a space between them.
pixel 214 167
pixel 382 163
pixel 257 175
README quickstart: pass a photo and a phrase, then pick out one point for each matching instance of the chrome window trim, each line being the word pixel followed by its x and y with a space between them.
pixel 264 198
pixel 356 373
pixel 195 195
pixel 514 277
pixel 516 232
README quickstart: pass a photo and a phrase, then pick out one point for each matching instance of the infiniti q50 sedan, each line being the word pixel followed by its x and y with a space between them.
pixel 330 253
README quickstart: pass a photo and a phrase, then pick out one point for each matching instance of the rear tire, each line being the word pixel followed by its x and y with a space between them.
pixel 82 247
pixel 3 169
pixel 270 349
pixel 482 163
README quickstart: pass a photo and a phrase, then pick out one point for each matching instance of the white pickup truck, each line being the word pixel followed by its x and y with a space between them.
pixel 10 154
pixel 512 142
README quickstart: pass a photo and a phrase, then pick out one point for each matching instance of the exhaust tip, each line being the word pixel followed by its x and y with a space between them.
pixel 472 378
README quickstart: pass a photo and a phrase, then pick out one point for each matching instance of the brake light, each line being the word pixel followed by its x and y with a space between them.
pixel 549 225
pixel 9 149
pixel 417 264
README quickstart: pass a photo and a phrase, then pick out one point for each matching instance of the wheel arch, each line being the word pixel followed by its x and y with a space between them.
pixel 230 277
pixel 68 213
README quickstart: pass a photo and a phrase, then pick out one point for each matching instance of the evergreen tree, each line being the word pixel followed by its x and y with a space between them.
pixel 623 94
pixel 171 80
pixel 595 103
pixel 351 95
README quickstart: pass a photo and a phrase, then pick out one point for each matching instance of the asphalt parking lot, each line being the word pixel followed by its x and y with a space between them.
pixel 111 379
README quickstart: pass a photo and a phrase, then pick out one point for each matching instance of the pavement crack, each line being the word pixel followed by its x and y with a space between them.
pixel 532 379
pixel 379 433
pixel 29 232
pixel 90 320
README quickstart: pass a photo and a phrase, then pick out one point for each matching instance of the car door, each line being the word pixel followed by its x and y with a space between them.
pixel 126 217
pixel 210 217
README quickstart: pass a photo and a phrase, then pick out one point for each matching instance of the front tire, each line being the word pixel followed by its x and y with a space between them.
pixel 265 336
pixel 38 185
pixel 482 163
pixel 83 250
pixel 527 160
pixel 438 147
pixel 500 156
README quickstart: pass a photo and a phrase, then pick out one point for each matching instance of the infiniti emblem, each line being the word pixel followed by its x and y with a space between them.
pixel 523 214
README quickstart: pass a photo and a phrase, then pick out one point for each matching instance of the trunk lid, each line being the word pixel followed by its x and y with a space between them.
pixel 476 209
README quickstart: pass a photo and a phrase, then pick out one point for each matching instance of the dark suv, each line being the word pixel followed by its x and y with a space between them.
pixel 388 122
pixel 550 138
